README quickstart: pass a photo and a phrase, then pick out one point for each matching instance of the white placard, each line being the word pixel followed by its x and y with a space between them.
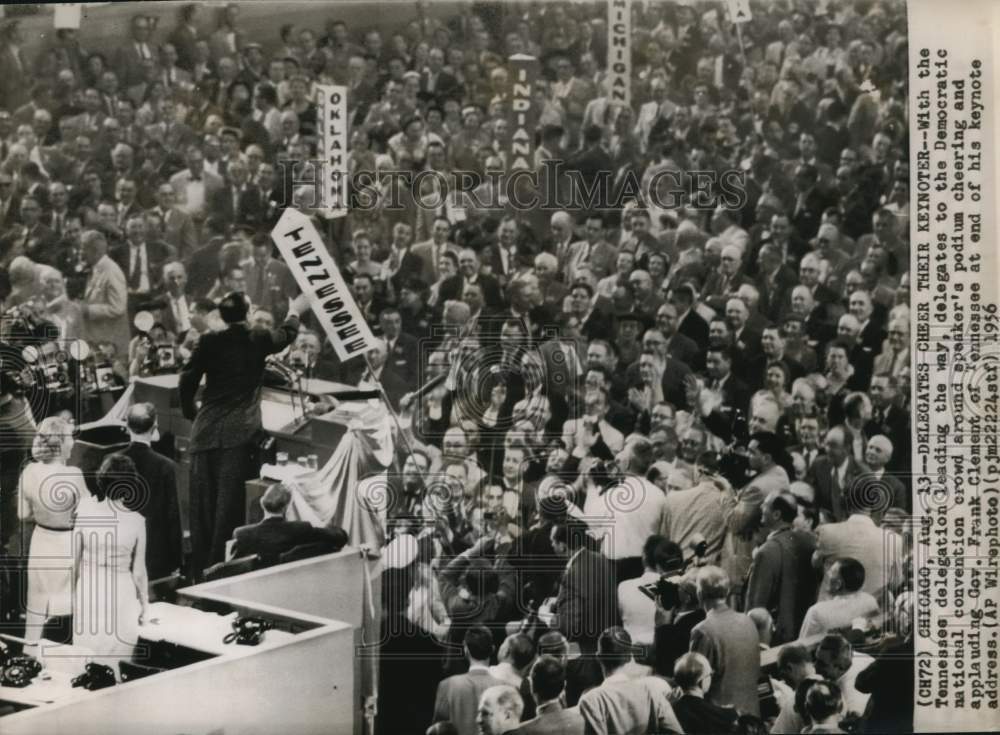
pixel 620 51
pixel 331 104
pixel 739 11
pixel 312 266
pixel 67 15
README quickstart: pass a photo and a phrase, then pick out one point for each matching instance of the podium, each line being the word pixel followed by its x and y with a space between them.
pixel 281 416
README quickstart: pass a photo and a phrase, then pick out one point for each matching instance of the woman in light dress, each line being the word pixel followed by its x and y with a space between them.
pixel 112 590
pixel 49 493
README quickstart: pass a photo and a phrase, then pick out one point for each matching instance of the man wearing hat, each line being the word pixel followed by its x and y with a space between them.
pixel 225 424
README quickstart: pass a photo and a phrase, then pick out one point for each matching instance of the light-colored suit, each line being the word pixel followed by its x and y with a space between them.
pixel 695 511
pixel 458 699
pixel 178 231
pixel 105 309
pixel 553 719
pixel 879 551
pixel 729 641
pixel 601 258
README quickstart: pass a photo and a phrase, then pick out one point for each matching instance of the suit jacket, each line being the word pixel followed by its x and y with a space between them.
pixel 673 640
pixel 735 401
pixel 879 551
pixel 717 290
pixel 278 283
pixel 553 719
pixel 161 509
pixel 428 267
pixel 248 209
pixel 830 495
pixel 729 641
pixel 586 604
pixel 180 180
pixel 458 696
pixel 696 328
pixel 105 308
pixel 600 257
pixel 178 231
pixel 782 581
pixel 806 219
pixel 672 383
pixel 452 288
pixel 561 373
pixel 39 244
pixel 274 536
pixel 895 424
pixel 404 359
pixel 446 86
pixel 157 254
pixel 700 717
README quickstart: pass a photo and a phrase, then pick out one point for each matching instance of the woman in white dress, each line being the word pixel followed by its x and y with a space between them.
pixel 112 590
pixel 49 493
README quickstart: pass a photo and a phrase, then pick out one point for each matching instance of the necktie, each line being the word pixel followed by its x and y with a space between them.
pixel 261 283
pixel 135 273
pixel 195 177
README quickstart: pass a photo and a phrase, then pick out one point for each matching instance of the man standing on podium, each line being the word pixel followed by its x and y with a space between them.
pixel 228 420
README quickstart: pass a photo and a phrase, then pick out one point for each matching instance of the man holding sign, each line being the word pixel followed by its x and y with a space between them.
pixel 227 421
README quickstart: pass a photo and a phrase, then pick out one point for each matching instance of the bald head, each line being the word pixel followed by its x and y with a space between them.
pixel 141 421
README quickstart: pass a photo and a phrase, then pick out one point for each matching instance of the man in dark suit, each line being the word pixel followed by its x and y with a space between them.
pixel 835 474
pixel 435 81
pixel 782 580
pixel 240 201
pixel 722 411
pixel 141 261
pixel 31 237
pixel 547 682
pixel 130 56
pixel 274 535
pixel 775 280
pixel 693 675
pixel 690 323
pixel 379 373
pixel 159 504
pixel 468 272
pixel 772 345
pixel 810 201
pixel 403 351
pixel 222 444
pixel 586 605
pixel 891 420
pixel 679 346
pixel 725 279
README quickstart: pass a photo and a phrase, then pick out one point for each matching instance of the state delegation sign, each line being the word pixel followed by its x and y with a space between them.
pixel 331 103
pixel 312 266
pixel 620 52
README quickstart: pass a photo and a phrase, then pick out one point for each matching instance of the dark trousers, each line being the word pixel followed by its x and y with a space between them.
pixel 218 500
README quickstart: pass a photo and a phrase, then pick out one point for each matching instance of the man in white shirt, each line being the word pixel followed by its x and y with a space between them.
pixel 626 509
pixel 660 557
pixel 514 658
pixel 847 600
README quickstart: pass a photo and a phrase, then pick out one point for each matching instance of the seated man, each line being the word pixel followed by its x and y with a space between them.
pixel 274 535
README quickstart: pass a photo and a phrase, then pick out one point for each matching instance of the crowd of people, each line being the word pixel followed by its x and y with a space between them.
pixel 644 437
